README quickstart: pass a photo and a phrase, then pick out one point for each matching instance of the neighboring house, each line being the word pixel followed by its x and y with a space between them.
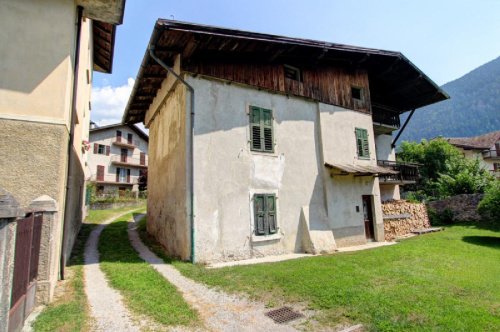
pixel 485 148
pixel 49 52
pixel 270 144
pixel 119 157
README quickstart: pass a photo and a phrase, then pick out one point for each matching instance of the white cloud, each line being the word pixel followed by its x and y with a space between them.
pixel 108 103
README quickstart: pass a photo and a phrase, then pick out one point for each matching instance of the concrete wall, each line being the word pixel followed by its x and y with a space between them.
pixel 36 88
pixel 167 180
pixel 344 193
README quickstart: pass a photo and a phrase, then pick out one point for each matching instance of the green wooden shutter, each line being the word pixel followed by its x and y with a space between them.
pixel 260 214
pixel 271 213
pixel 261 129
pixel 362 143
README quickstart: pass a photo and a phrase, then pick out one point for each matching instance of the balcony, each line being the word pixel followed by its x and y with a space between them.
pixel 385 122
pixel 491 154
pixel 407 172
pixel 123 142
pixel 112 179
pixel 127 161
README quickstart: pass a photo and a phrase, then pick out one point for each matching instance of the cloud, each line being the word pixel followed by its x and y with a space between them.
pixel 108 103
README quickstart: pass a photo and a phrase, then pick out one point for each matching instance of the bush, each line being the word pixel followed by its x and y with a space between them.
pixel 440 218
pixel 489 207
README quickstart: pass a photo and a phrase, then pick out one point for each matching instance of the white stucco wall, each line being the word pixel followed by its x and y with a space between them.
pixel 107 137
pixel 227 173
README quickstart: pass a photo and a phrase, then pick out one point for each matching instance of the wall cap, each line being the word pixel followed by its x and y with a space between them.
pixel 9 207
pixel 43 203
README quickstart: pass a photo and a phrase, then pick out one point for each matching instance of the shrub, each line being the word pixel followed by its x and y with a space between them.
pixel 489 207
pixel 440 218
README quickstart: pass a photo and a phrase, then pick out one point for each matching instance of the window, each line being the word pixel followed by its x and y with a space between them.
pixel 129 138
pixel 362 143
pixel 292 73
pixel 101 149
pixel 496 167
pixel 261 129
pixel 356 93
pixel 264 209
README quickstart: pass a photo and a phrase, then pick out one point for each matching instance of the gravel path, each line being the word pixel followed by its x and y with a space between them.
pixel 218 310
pixel 106 305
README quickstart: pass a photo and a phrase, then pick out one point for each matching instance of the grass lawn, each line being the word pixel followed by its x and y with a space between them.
pixel 69 312
pixel 144 290
pixel 448 280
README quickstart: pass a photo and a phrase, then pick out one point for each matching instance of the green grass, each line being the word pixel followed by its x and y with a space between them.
pixel 98 216
pixel 69 312
pixel 443 281
pixel 145 291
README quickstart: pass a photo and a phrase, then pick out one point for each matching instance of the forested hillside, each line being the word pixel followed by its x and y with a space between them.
pixel 473 109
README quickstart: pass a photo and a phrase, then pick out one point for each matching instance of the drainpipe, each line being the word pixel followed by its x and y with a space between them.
pixel 393 144
pixel 69 173
pixel 191 155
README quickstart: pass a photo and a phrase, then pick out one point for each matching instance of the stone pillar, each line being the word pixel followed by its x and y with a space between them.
pixel 49 261
pixel 9 212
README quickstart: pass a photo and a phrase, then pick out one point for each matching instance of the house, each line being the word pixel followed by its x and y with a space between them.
pixel 49 52
pixel 263 144
pixel 119 157
pixel 485 148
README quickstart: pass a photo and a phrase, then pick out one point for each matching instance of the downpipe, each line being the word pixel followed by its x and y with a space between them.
pixel 191 143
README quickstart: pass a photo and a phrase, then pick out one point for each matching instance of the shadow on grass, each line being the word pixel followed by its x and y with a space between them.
pixel 486 241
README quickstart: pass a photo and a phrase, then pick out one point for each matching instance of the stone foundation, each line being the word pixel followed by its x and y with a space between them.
pixel 401 217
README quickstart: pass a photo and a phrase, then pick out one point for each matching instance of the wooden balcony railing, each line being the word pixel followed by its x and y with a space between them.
pixel 386 118
pixel 129 161
pixel 408 172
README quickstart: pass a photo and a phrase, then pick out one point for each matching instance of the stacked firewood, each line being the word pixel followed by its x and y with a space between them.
pixel 402 217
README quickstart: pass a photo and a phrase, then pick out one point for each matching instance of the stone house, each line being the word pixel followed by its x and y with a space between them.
pixel 262 144
pixel 49 52
pixel 485 148
pixel 118 157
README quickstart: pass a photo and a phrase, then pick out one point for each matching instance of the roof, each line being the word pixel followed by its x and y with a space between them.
pixel 481 142
pixel 105 15
pixel 395 82
pixel 136 129
pixel 360 170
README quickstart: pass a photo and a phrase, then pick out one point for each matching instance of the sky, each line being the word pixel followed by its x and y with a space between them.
pixel 446 39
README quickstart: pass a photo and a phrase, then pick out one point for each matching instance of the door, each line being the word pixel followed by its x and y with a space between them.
pixel 368 217
pixel 123 154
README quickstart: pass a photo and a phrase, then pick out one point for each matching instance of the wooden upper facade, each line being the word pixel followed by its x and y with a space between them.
pixel 362 79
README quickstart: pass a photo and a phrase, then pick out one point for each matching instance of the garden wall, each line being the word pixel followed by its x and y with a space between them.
pixel 462 206
pixel 117 205
pixel 402 217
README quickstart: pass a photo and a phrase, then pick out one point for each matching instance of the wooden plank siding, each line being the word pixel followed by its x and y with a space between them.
pixel 329 85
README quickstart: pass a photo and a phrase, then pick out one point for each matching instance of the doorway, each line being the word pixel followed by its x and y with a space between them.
pixel 368 217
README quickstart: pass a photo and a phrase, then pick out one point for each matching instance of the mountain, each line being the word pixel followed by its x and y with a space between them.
pixel 473 108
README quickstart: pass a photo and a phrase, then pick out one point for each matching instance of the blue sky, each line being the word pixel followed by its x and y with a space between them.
pixel 444 38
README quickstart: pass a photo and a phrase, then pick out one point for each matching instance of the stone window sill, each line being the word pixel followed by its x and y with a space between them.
pixel 264 238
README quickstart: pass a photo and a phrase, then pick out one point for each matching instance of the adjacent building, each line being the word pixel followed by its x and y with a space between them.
pixel 118 158
pixel 264 144
pixel 50 50
pixel 485 148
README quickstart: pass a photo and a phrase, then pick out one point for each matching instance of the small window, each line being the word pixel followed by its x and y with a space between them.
pixel 129 138
pixel 362 143
pixel 265 214
pixel 101 149
pixel 293 73
pixel 261 129
pixel 356 93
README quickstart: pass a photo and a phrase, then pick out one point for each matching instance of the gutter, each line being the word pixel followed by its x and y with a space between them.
pixel 393 144
pixel 190 143
pixel 69 173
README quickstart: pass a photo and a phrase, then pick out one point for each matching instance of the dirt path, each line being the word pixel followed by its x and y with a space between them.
pixel 106 305
pixel 218 310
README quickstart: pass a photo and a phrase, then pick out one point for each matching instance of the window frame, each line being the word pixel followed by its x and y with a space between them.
pixel 264 130
pixel 268 228
pixel 361 93
pixel 362 143
pixel 101 149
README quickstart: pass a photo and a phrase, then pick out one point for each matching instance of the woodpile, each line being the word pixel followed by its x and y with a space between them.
pixel 402 217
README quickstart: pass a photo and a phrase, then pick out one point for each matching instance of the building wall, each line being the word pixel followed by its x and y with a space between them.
pixel 476 154
pixel 35 107
pixel 167 180
pixel 344 193
pixel 386 152
pixel 106 137
pixel 227 173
